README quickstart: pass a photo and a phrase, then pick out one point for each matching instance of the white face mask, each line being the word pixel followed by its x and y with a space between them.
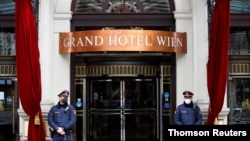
pixel 187 101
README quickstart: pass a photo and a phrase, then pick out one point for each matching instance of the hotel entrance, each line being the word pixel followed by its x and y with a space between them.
pixel 122 101
pixel 122 110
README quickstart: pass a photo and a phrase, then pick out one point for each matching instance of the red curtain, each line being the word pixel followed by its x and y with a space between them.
pixel 217 66
pixel 28 67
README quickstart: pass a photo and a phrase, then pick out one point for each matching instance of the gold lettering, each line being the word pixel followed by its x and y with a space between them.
pixel 179 42
pixel 123 40
pixel 169 41
pixel 176 42
pixel 140 41
pixel 68 42
pixel 79 42
pixel 161 40
pixel 147 42
pixel 88 40
pixel 112 41
pixel 98 40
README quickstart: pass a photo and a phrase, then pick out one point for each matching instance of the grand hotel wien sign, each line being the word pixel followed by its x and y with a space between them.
pixel 122 41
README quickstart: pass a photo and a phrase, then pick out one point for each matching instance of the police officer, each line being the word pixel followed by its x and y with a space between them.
pixel 62 118
pixel 188 113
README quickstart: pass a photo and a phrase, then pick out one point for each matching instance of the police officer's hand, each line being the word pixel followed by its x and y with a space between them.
pixel 60 131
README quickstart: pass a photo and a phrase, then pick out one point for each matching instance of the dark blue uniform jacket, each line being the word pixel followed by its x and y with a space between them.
pixel 62 116
pixel 188 115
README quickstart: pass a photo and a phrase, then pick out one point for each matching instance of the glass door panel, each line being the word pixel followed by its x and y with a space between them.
pixel 8 108
pixel 122 110
pixel 239 99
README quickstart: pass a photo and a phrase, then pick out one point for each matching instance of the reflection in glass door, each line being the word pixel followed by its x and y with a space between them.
pixel 9 122
pixel 122 110
pixel 239 99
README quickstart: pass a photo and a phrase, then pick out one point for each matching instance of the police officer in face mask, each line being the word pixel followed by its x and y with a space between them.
pixel 188 113
pixel 62 118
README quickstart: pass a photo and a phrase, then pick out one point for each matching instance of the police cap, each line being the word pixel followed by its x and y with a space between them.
pixel 187 92
pixel 64 93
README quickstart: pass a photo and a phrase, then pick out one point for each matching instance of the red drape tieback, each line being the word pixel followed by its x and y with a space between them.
pixel 211 118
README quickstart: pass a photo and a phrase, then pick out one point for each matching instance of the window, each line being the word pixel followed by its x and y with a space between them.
pixel 239 41
pixel 7 6
pixel 239 66
pixel 7 43
pixel 123 6
pixel 240 6
pixel 239 101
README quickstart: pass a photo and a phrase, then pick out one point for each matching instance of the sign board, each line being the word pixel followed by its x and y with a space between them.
pixel 122 41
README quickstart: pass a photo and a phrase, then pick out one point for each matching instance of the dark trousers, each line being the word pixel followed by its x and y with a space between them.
pixel 57 137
